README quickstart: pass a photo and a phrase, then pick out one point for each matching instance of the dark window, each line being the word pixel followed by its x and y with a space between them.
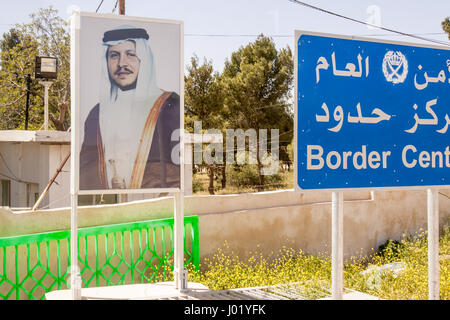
pixel 6 193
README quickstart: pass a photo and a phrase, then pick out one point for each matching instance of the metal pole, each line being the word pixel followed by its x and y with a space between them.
pixel 75 276
pixel 46 106
pixel 433 244
pixel 75 283
pixel 46 85
pixel 337 254
pixel 27 108
pixel 180 274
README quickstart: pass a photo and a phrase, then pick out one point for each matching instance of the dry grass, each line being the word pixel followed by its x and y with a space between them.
pixel 201 180
pixel 226 270
pixel 409 282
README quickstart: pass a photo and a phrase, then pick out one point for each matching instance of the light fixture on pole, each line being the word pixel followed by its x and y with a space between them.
pixel 46 68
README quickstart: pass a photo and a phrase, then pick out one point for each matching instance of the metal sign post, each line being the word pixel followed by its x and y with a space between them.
pixel 433 244
pixel 75 275
pixel 180 274
pixel 371 114
pixel 337 245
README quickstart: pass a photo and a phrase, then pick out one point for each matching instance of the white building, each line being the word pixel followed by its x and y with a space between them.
pixel 29 159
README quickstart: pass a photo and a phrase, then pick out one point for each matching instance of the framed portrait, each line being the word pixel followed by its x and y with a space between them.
pixel 127 104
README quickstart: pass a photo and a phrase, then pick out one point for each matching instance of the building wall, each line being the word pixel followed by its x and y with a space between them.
pixel 21 164
pixel 31 158
pixel 268 220
pixel 29 166
pixel 59 193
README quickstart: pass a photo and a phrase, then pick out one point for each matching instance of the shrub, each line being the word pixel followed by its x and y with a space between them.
pixel 391 249
pixel 247 176
pixel 197 184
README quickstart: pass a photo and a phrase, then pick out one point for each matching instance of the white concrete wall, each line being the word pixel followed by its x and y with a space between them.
pixel 59 193
pixel 23 163
pixel 269 220
pixel 44 171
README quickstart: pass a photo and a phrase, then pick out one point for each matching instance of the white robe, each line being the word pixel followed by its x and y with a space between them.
pixel 121 125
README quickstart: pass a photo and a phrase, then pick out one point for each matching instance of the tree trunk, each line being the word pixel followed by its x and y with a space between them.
pixel 224 165
pixel 211 179
pixel 224 176
pixel 261 177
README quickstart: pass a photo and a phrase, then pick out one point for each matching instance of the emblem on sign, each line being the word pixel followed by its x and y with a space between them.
pixel 395 67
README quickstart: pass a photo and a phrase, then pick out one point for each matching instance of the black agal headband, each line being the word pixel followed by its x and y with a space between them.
pixel 123 34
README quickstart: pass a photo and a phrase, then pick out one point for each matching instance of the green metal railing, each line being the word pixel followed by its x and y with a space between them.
pixel 128 253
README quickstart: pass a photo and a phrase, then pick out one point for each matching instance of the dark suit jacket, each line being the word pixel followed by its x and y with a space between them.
pixel 160 171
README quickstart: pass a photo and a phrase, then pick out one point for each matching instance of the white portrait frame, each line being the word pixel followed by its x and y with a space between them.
pixel 77 121
pixel 180 273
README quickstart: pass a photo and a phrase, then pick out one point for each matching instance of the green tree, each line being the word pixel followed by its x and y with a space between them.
pixel 204 102
pixel 16 47
pixel 446 26
pixel 203 94
pixel 257 80
pixel 46 35
pixel 10 40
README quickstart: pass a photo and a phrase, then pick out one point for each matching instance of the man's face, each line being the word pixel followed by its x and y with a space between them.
pixel 123 64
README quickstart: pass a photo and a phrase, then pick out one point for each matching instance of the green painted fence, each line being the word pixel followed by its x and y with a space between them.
pixel 128 253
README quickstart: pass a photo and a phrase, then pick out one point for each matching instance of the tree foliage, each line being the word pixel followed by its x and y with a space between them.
pixel 16 47
pixel 203 94
pixel 46 35
pixel 446 26
pixel 257 81
pixel 204 100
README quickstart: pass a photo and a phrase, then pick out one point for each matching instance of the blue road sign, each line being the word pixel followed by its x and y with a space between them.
pixel 370 114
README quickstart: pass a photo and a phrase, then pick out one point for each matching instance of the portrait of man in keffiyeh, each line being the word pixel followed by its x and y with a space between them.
pixel 127 134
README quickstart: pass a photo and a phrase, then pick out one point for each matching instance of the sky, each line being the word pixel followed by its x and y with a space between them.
pixel 215 28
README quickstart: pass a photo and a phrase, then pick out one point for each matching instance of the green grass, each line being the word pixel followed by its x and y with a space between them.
pixel 225 270
pixel 201 183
